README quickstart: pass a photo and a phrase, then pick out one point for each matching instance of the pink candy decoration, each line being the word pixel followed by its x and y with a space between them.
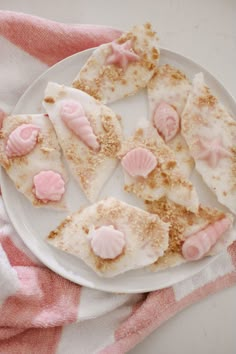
pixel 73 115
pixel 139 162
pixel 166 120
pixel 22 140
pixel 199 244
pixel 49 186
pixel 211 150
pixel 122 54
pixel 107 242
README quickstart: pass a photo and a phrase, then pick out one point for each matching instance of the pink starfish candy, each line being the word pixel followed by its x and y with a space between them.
pixel 122 54
pixel 211 150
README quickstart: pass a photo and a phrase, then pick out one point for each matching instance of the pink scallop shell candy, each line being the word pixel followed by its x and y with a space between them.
pixel 22 140
pixel 107 242
pixel 139 162
pixel 199 244
pixel 73 115
pixel 166 120
pixel 49 186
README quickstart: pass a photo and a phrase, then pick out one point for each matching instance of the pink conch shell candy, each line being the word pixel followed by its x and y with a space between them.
pixel 22 140
pixel 73 115
pixel 107 242
pixel 197 245
pixel 49 186
pixel 166 120
pixel 139 162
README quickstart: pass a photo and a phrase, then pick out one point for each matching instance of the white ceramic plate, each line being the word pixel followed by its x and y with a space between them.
pixel 33 225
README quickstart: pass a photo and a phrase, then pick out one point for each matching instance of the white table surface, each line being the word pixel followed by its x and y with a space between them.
pixel 204 30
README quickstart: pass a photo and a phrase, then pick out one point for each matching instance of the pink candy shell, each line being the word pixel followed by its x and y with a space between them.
pixel 122 55
pixel 107 242
pixel 199 244
pixel 166 120
pixel 139 162
pixel 22 140
pixel 73 115
pixel 48 186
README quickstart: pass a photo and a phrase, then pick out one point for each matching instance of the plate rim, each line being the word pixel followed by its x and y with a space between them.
pixel 165 49
pixel 63 272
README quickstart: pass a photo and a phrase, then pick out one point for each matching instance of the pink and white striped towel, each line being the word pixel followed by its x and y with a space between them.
pixel 40 312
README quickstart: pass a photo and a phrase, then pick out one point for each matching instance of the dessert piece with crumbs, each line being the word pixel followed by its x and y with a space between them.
pixel 192 236
pixel 167 95
pixel 89 133
pixel 122 67
pixel 31 156
pixel 210 132
pixel 151 170
pixel 112 237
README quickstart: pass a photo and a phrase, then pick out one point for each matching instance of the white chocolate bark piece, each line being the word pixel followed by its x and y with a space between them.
pixel 145 236
pixel 171 86
pixel 183 224
pixel 91 165
pixel 166 178
pixel 120 68
pixel 210 132
pixel 23 162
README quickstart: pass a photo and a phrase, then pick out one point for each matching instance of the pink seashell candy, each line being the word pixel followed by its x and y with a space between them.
pixel 166 120
pixel 199 244
pixel 139 162
pixel 73 115
pixel 107 242
pixel 49 186
pixel 22 140
pixel 211 150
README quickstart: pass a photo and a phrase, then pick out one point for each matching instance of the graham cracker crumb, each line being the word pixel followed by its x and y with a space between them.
pixel 155 54
pixel 55 233
pixel 110 141
pixel 148 25
pixel 83 86
pixel 49 99
pixel 85 229
pixel 207 99
pixel 168 73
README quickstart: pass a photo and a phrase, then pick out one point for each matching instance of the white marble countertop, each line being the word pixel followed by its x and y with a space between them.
pixel 204 30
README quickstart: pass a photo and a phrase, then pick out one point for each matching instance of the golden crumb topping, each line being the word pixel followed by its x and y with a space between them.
pixel 126 37
pixel 169 74
pixel 90 90
pixel 49 99
pixel 53 234
pixel 155 53
pixel 206 99
pixel 110 140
